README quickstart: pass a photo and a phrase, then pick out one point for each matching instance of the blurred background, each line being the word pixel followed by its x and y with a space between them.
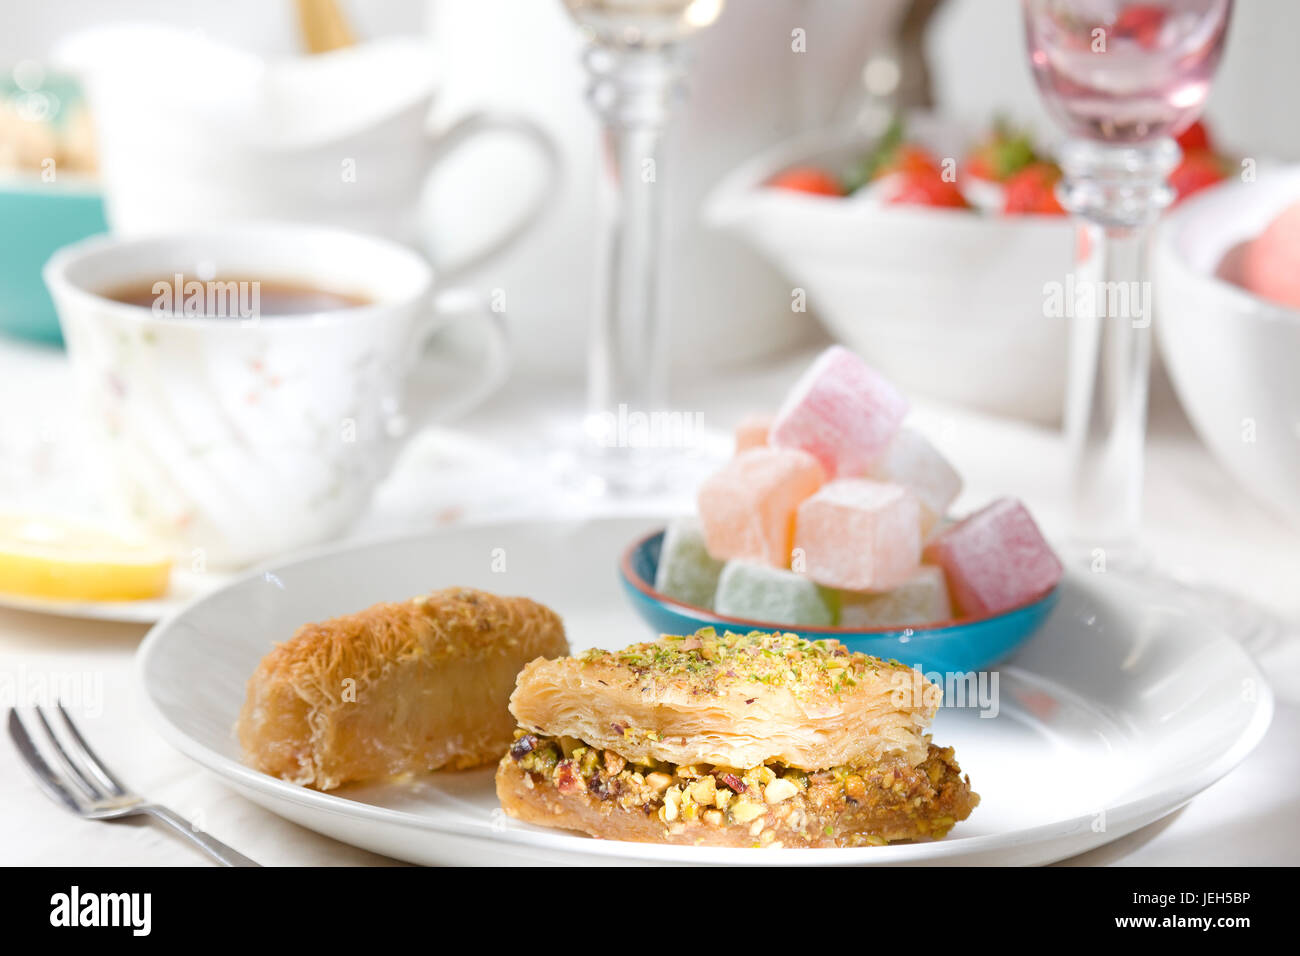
pixel 153 116
pixel 747 92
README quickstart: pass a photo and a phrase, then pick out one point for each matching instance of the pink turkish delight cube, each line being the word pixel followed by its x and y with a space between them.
pixel 842 411
pixel 995 559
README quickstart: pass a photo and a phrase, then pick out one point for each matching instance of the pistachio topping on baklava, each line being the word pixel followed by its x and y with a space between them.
pixel 706 660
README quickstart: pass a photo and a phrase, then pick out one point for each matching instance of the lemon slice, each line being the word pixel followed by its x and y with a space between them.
pixel 64 559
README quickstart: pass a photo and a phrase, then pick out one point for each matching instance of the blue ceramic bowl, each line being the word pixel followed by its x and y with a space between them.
pixel 966 644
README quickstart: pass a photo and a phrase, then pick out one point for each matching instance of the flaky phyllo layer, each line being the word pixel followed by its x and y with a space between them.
pixel 734 700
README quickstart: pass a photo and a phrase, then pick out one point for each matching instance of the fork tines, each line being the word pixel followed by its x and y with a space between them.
pixel 81 781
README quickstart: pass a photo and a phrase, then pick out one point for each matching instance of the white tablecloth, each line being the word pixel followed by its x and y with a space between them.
pixel 1197 520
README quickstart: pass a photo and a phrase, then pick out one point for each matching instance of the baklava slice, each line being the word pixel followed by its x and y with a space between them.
pixel 729 739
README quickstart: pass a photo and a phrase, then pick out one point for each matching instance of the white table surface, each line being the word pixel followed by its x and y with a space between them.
pixel 1196 521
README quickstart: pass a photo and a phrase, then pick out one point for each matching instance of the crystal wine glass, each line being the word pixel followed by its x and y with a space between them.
pixel 637 67
pixel 1122 78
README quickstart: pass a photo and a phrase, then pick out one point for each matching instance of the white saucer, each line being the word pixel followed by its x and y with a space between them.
pixel 1121 710
pixel 185 586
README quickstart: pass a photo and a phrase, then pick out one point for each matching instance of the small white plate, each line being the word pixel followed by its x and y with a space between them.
pixel 1118 712
pixel 184 587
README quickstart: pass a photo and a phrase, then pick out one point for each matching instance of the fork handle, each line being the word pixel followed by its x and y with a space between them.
pixel 208 844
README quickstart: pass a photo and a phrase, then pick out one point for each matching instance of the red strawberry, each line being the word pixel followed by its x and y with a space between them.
pixel 906 158
pixel 925 187
pixel 1199 170
pixel 808 179
pixel 1033 190
pixel 1141 22
pixel 892 154
pixel 1004 153
pixel 1195 137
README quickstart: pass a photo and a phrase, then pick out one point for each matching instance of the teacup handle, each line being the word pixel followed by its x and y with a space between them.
pixel 457 305
pixel 475 124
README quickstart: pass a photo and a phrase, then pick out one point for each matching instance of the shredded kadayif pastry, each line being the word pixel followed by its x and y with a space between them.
pixel 398 688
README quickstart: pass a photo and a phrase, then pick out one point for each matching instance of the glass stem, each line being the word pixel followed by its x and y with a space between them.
pixel 633 91
pixel 1118 192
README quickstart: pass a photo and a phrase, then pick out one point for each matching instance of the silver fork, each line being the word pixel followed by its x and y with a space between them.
pixel 88 788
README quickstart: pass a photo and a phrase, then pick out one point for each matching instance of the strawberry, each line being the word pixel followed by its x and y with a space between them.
pixel 920 186
pixel 1033 190
pixel 1141 22
pixel 1195 137
pixel 906 158
pixel 891 154
pixel 808 179
pixel 1199 170
pixel 1005 152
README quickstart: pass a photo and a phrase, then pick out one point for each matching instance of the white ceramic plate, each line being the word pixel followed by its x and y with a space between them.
pixel 1118 712
pixel 185 586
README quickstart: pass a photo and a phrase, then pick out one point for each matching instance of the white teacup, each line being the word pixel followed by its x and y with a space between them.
pixel 233 438
pixel 339 138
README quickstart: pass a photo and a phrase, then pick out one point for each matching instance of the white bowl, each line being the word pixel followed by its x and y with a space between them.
pixel 948 303
pixel 1234 358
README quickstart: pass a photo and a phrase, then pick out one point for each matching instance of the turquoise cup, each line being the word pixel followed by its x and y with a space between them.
pixel 38 218
pixel 43 206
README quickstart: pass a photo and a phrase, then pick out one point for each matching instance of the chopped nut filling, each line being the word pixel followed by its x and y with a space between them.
pixel 774 801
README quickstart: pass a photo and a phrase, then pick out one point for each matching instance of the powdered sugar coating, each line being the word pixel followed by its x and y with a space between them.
pixel 747 508
pixel 921 599
pixel 911 460
pixel 995 559
pixel 686 571
pixel 841 411
pixel 859 535
pixel 752 432
pixel 756 592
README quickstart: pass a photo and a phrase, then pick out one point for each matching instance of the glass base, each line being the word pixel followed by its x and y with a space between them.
pixel 587 461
